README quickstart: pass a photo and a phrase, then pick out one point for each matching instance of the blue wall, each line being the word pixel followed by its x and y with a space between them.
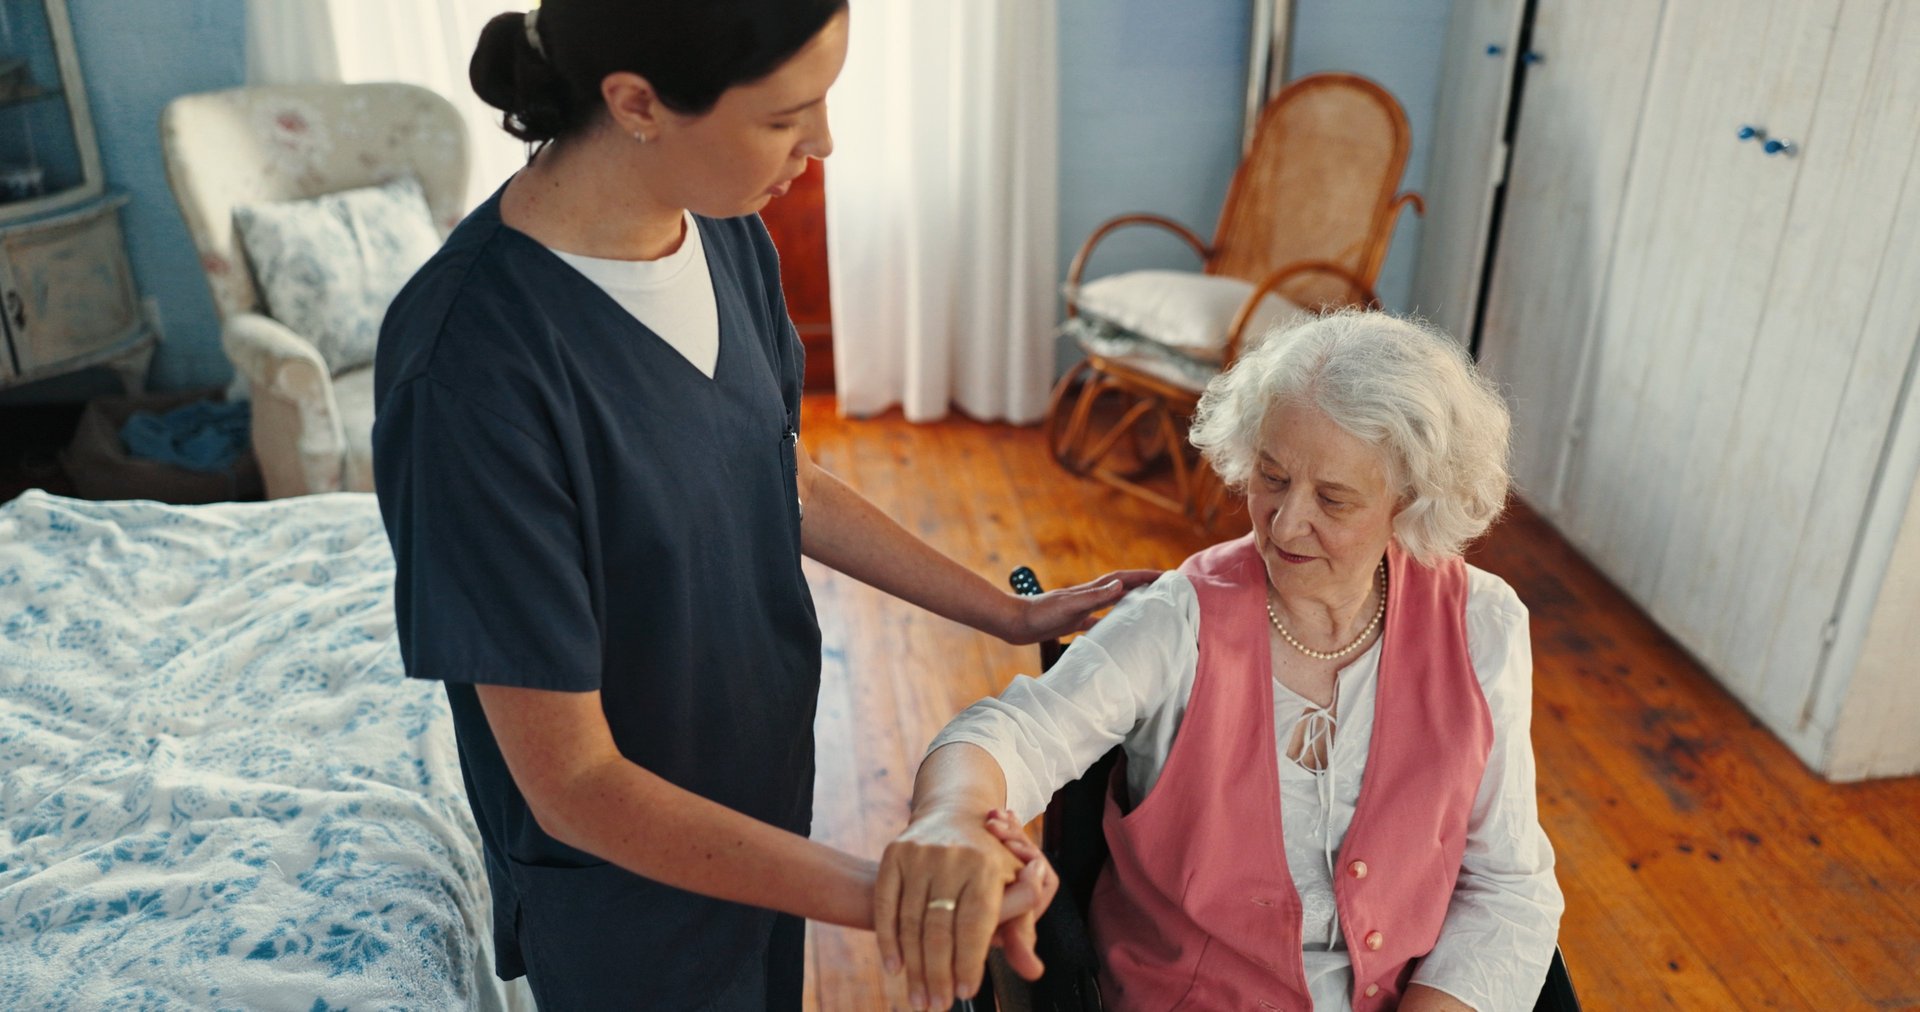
pixel 1152 97
pixel 1151 101
pixel 136 57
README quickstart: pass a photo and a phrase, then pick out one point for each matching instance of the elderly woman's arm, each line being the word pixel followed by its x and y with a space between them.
pixel 1501 927
pixel 1128 680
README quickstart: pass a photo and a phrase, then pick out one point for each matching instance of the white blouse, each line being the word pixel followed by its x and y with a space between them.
pixel 1128 681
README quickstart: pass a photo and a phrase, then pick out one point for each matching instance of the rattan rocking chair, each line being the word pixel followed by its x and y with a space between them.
pixel 1308 216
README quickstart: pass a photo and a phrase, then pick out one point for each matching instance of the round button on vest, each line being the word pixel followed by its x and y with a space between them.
pixel 1358 868
pixel 1375 940
pixel 1372 989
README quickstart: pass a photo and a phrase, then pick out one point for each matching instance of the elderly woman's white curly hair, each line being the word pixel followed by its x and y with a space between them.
pixel 1398 385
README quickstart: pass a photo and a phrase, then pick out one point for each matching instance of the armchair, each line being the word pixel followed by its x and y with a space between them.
pixel 312 426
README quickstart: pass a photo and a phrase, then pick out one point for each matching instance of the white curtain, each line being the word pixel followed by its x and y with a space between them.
pixel 424 42
pixel 942 200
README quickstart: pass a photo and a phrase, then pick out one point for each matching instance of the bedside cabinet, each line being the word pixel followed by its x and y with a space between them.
pixel 67 298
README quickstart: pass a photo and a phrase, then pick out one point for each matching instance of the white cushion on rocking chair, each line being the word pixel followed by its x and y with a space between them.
pixel 1184 310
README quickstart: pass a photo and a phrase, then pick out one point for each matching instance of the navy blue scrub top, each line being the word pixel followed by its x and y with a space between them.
pixel 574 506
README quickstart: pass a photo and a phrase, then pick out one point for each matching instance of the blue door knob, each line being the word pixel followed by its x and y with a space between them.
pixel 1748 133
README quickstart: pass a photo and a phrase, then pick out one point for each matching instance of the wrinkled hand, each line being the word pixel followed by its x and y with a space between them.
pixel 1016 936
pixel 1060 613
pixel 951 856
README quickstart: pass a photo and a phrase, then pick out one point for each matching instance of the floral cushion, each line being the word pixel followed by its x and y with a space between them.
pixel 327 267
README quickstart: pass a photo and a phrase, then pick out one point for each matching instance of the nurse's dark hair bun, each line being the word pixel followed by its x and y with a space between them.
pixel 690 51
pixel 513 77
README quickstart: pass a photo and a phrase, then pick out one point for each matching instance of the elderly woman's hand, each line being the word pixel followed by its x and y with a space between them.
pixel 1016 935
pixel 1064 612
pixel 945 886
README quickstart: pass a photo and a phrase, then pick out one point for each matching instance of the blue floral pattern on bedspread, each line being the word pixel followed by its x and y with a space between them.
pixel 216 788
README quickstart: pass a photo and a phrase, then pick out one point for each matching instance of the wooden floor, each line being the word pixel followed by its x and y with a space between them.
pixel 1704 867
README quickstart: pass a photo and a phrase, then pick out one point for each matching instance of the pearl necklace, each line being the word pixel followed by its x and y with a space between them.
pixel 1378 614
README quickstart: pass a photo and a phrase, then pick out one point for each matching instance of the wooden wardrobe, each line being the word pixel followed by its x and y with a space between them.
pixel 1686 236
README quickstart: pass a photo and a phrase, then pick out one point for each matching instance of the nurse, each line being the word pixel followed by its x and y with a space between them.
pixel 588 459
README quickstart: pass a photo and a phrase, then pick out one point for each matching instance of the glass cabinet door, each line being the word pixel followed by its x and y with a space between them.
pixel 48 158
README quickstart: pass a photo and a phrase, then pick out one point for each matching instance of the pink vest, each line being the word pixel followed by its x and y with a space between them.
pixel 1197 909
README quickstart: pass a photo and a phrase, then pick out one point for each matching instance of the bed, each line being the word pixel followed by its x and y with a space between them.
pixel 216 788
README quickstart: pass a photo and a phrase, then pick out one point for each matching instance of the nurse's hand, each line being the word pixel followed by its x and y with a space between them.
pixel 945 886
pixel 1064 612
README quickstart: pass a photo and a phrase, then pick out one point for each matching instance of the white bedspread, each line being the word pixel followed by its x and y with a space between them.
pixel 216 788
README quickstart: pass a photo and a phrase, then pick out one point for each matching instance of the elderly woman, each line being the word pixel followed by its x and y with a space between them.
pixel 1327 799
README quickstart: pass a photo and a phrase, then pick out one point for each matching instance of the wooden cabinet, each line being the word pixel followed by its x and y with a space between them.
pixel 1701 228
pixel 67 297
pixel 1564 186
pixel 1702 310
pixel 1472 116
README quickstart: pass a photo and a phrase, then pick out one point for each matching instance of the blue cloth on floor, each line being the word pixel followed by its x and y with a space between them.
pixel 202 436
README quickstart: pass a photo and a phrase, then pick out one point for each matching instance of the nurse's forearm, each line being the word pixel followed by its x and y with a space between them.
pixel 843 530
pixel 632 817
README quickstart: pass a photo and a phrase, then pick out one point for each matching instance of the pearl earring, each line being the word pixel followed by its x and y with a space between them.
pixel 638 136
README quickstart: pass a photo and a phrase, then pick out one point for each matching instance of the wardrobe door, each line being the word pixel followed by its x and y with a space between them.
pixel 1702 223
pixel 1468 156
pixel 1755 575
pixel 1579 112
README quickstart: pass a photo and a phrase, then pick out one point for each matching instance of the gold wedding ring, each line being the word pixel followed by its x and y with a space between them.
pixel 942 904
